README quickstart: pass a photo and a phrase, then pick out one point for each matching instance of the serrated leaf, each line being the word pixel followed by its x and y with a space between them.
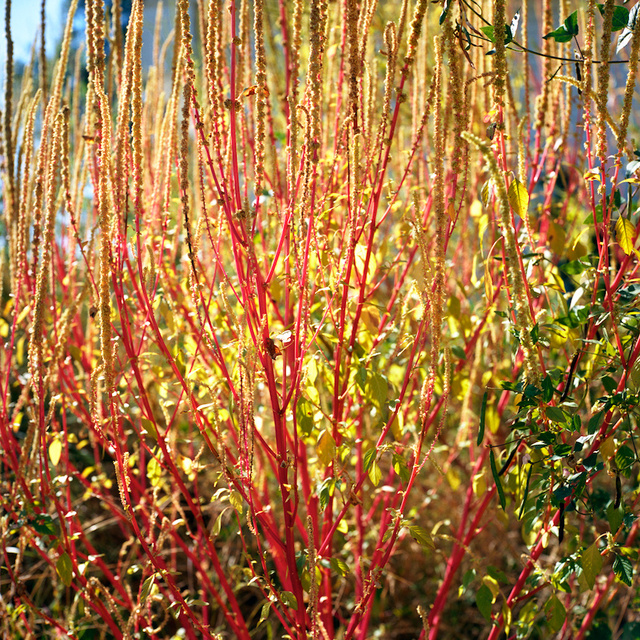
pixel 422 537
pixel 591 564
pixel 625 234
pixel 64 569
pixel 555 613
pixel 518 198
pixel 55 451
pixel 623 569
pixel 484 600
pixel 326 448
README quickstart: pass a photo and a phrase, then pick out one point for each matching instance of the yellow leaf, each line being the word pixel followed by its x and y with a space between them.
pixel 452 212
pixel 592 174
pixel 518 198
pixel 55 451
pixel 326 448
pixel 625 233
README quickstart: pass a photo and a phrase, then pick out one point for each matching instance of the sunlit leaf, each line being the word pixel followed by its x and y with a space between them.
pixel 55 451
pixel 518 198
pixel 326 448
pixel 625 234
pixel 566 31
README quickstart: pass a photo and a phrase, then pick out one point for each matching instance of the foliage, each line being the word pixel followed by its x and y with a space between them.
pixel 322 325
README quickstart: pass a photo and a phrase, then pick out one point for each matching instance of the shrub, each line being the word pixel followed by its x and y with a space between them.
pixel 322 325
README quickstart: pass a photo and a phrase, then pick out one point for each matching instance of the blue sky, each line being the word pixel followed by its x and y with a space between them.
pixel 25 25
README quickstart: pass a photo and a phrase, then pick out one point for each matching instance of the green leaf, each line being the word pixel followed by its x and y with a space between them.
pixel 591 564
pixel 494 471
pixel 614 517
pixel 369 459
pixel 64 569
pixel 483 411
pixel 547 389
pixel 304 416
pixel 378 389
pixel 555 414
pixel 339 566
pixel 421 536
pixel 623 569
pixel 566 31
pixel 264 612
pixel 625 458
pixel 555 613
pixel 620 17
pixel 445 9
pixel 289 600
pixel 400 467
pixel 146 587
pixel 484 600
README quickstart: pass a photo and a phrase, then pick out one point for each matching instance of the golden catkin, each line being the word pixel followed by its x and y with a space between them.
pixel 414 33
pixel 106 229
pixel 7 137
pixel 499 59
pixel 542 101
pixel 602 95
pixel 438 202
pixel 524 322
pixel 37 339
pixel 630 86
pixel 262 96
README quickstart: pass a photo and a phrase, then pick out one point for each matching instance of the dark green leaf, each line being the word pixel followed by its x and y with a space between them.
pixel 623 569
pixel 625 458
pixel 484 600
pixel 483 410
pixel 445 9
pixel 614 517
pixel 555 414
pixel 496 479
pixel 566 31
pixel 555 613
pixel 620 17
pixel 547 389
